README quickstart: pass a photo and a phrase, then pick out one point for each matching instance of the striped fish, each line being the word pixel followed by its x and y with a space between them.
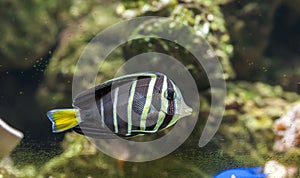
pixel 130 105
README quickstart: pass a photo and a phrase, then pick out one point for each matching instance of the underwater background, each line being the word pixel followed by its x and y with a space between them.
pixel 257 42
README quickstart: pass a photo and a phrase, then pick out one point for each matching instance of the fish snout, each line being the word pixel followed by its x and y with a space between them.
pixel 186 110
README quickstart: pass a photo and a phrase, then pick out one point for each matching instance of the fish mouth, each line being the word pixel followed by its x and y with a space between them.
pixel 186 110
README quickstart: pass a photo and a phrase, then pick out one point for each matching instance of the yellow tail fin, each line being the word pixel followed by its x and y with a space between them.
pixel 63 119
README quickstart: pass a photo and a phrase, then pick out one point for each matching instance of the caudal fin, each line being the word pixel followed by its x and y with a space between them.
pixel 63 119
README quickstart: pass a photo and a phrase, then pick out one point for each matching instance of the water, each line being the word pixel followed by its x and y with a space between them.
pixel 257 45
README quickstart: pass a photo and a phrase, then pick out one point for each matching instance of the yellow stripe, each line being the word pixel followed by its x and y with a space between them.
pixel 115 110
pixel 147 104
pixel 129 107
pixel 133 75
pixel 164 106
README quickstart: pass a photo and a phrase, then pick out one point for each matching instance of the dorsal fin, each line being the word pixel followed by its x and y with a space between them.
pixel 83 99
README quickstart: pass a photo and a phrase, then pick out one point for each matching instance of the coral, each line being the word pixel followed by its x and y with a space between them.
pixel 205 17
pixel 287 130
pixel 274 169
pixel 246 133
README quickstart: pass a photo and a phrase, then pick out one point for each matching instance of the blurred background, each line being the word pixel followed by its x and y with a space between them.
pixel 257 42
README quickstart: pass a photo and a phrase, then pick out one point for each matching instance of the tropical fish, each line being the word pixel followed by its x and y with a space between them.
pixel 130 105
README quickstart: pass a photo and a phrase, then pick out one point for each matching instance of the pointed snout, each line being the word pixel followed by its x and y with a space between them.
pixel 186 110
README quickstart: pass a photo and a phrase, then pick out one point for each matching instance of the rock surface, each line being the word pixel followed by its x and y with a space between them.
pixel 287 130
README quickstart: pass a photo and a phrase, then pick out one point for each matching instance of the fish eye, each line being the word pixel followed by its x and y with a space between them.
pixel 170 94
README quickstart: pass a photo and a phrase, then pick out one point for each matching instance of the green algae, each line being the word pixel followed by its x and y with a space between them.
pixel 244 139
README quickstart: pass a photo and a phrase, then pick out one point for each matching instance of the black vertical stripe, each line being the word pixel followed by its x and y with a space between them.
pixel 157 92
pixel 122 105
pixel 108 111
pixel 138 104
pixel 152 118
pixel 171 105
pixel 171 108
pixel 166 121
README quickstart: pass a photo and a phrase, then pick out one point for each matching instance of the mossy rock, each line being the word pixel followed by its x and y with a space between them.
pixel 247 132
pixel 244 139
pixel 250 25
pixel 6 173
pixel 56 88
pixel 29 30
pixel 204 17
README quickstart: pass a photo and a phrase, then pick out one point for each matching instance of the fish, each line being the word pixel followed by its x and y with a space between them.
pixel 127 106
